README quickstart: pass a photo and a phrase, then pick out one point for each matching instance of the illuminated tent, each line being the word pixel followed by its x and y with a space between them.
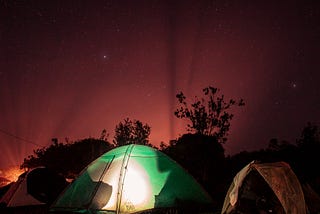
pixel 131 179
pixel 265 188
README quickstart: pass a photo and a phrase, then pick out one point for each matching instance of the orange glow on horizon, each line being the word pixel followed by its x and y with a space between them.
pixel 11 174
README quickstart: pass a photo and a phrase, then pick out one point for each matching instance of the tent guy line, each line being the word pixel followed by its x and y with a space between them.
pixel 19 138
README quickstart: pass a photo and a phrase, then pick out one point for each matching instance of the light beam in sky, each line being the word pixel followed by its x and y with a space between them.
pixel 73 70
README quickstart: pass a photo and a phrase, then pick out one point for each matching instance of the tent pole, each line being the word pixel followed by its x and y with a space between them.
pixel 122 176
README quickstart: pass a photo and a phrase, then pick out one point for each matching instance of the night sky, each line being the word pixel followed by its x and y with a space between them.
pixel 73 68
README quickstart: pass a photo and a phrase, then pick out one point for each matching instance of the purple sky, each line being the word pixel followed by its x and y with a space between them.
pixel 73 68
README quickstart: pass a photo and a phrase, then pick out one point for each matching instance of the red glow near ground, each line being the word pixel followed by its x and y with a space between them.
pixel 10 175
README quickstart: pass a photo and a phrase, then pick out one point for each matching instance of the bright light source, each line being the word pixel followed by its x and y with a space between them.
pixel 136 189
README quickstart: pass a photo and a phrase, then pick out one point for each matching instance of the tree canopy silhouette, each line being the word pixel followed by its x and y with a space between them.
pixel 203 157
pixel 131 132
pixel 310 135
pixel 67 159
pixel 208 115
pixel 309 147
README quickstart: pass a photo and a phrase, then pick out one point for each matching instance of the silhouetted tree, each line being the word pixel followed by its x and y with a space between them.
pixel 208 115
pixel 201 152
pixel 104 135
pixel 309 148
pixel 131 132
pixel 309 136
pixel 203 157
pixel 67 159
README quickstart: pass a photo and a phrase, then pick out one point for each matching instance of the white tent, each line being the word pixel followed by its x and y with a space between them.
pixel 38 186
pixel 18 195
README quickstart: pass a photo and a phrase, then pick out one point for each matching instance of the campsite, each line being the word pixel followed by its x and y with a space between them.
pixel 141 179
pixel 159 107
pixel 191 174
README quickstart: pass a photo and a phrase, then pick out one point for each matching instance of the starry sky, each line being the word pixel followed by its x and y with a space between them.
pixel 69 69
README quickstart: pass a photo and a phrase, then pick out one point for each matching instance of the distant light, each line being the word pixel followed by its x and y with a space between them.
pixel 12 173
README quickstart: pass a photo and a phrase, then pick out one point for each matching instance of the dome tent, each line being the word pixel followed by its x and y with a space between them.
pixel 265 188
pixel 132 179
pixel 38 186
pixel 18 194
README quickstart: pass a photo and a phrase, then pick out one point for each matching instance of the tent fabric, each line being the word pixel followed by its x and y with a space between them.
pixel 276 177
pixel 44 184
pixel 18 195
pixel 312 199
pixel 131 179
pixel 38 186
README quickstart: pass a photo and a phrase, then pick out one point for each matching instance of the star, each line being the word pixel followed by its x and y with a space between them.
pixel 106 57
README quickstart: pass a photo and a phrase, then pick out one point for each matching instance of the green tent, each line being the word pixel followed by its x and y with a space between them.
pixel 132 179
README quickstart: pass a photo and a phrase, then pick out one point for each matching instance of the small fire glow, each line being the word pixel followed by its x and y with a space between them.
pixel 10 175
